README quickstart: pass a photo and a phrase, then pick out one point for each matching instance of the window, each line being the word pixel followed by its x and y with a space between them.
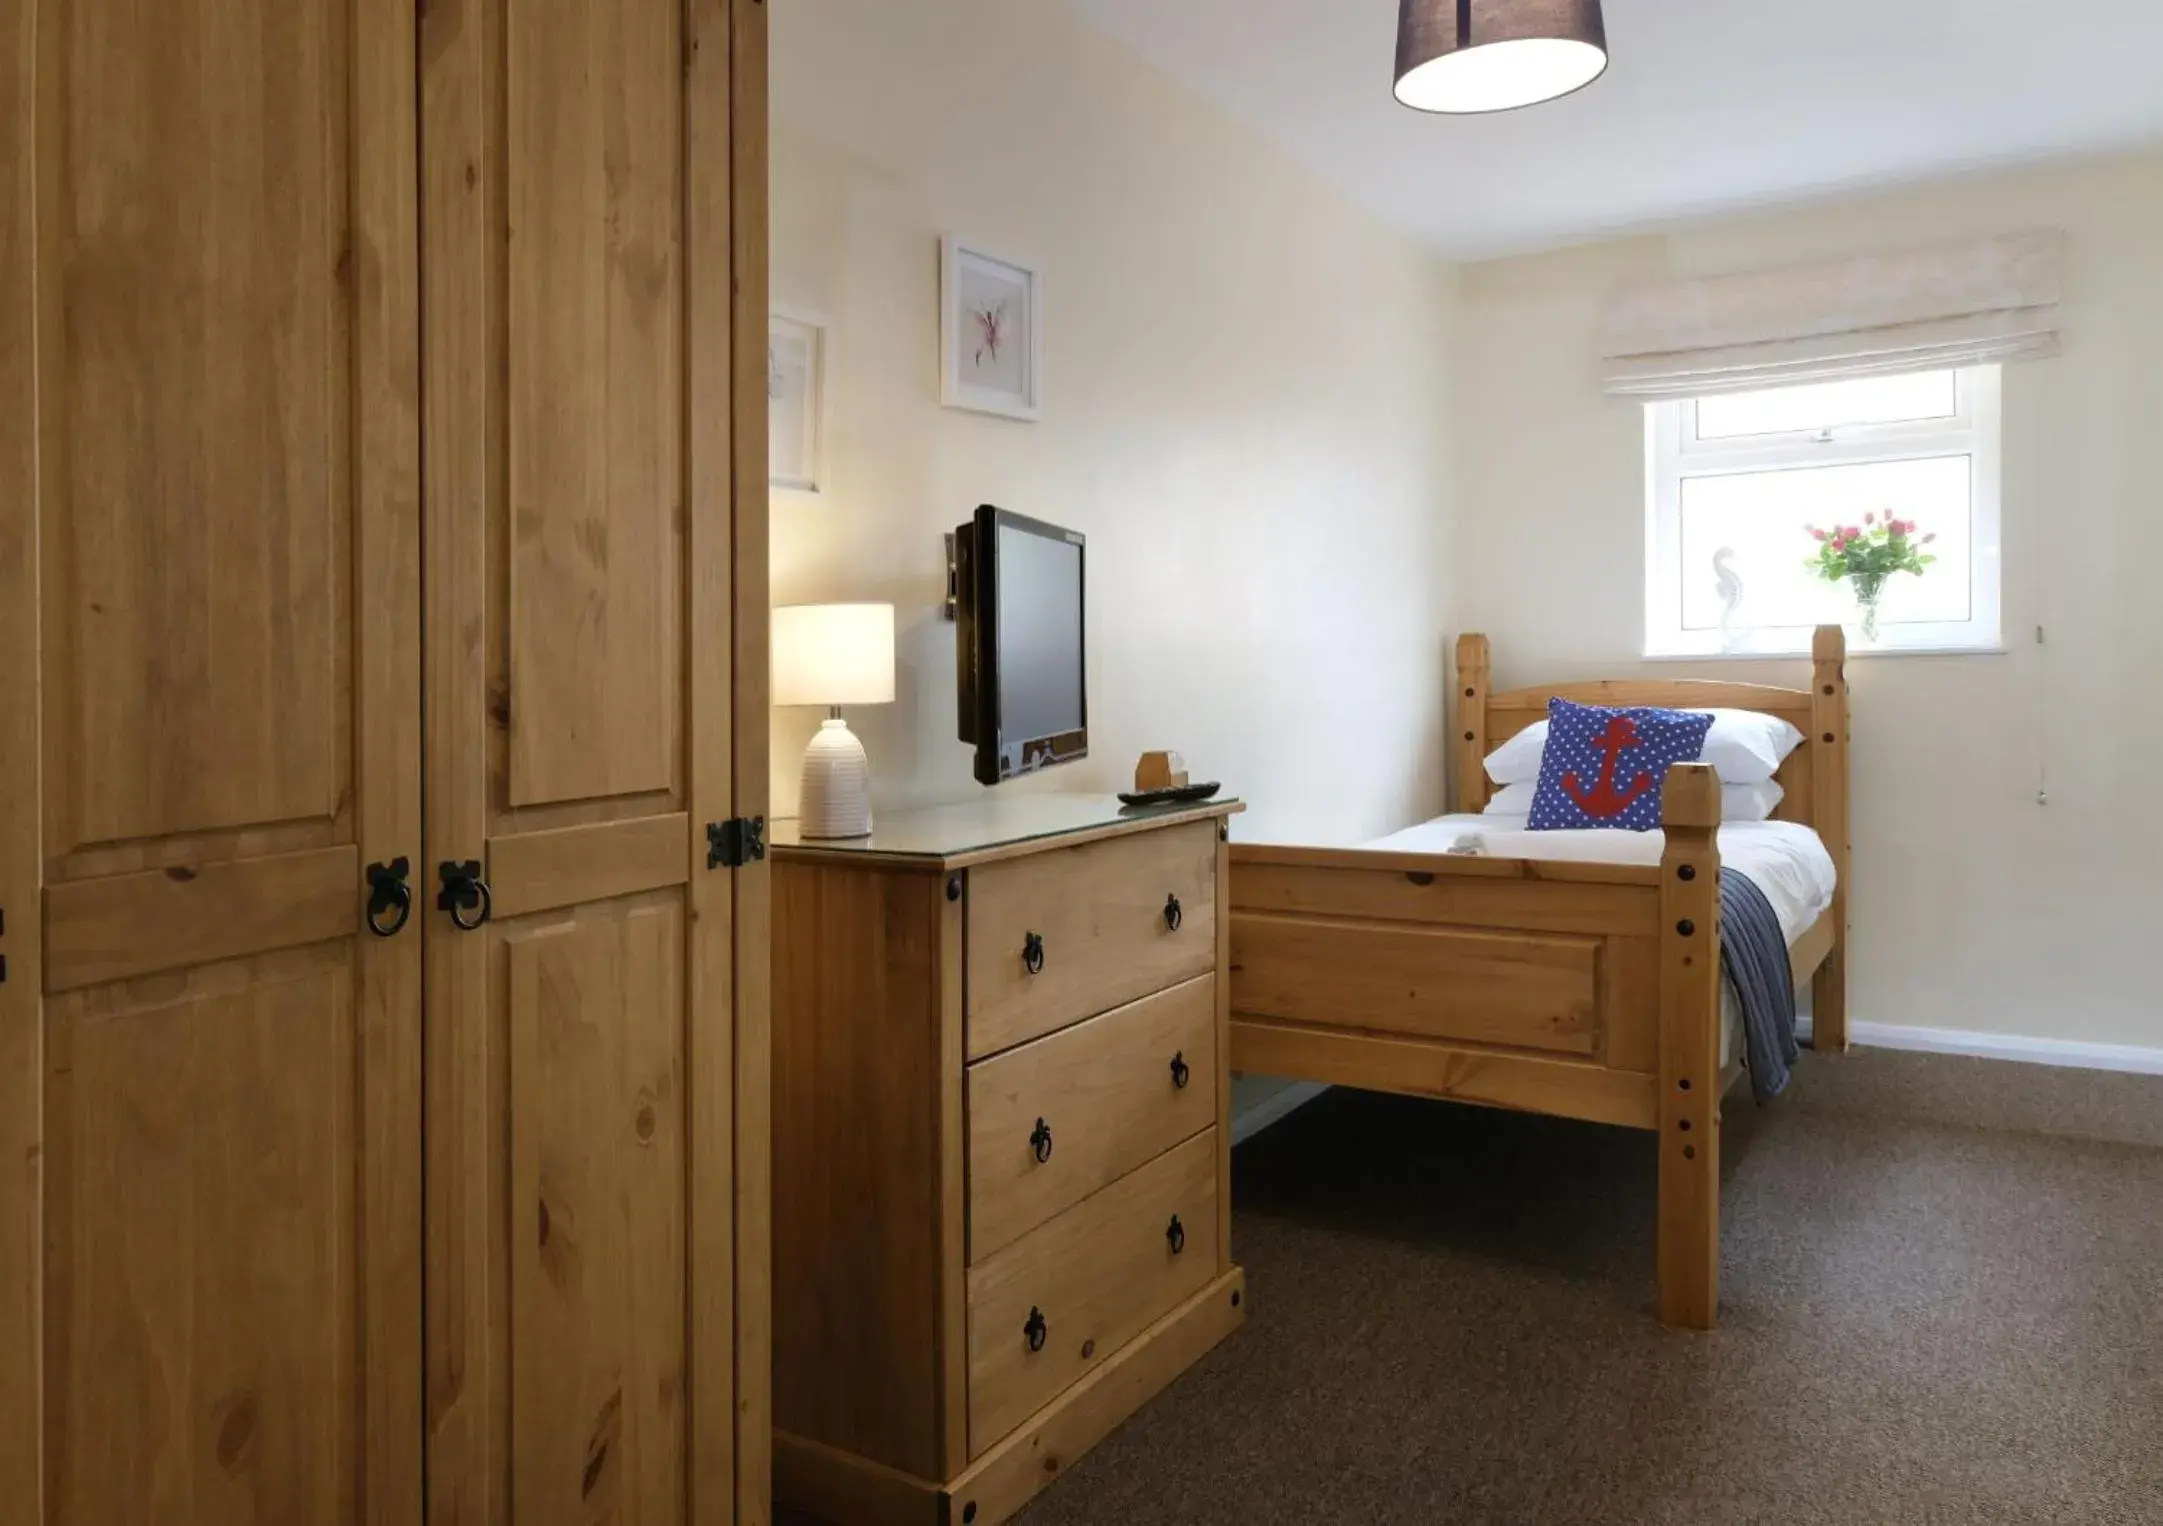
pixel 1738 482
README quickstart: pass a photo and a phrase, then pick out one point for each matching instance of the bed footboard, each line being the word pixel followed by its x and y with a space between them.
pixel 1507 982
pixel 1579 990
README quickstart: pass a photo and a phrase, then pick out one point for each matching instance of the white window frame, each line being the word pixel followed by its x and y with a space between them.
pixel 1674 454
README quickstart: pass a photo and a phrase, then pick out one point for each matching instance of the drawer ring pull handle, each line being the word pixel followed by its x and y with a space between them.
pixel 1032 953
pixel 1035 1330
pixel 1173 914
pixel 1040 1141
pixel 1176 1235
pixel 1181 1072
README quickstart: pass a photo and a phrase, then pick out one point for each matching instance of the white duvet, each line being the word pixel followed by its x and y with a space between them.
pixel 1782 858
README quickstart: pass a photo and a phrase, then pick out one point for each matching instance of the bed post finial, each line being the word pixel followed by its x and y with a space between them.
pixel 1829 814
pixel 1690 799
pixel 1471 712
pixel 1690 1048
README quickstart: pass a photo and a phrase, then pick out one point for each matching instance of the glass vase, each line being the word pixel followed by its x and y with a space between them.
pixel 1868 602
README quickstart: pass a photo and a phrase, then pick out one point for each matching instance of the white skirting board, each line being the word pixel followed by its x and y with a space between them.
pixel 2066 1053
pixel 2002 1046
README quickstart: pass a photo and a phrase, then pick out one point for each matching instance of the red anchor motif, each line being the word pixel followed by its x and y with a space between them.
pixel 1603 800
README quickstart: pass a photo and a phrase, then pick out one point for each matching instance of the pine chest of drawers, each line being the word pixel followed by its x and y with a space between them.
pixel 1001 1191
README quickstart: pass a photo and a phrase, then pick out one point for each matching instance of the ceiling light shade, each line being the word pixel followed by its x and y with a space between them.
pixel 1464 56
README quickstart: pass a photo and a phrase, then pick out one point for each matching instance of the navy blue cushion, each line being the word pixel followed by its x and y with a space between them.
pixel 1604 768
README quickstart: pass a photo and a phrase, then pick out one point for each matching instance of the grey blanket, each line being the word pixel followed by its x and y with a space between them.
pixel 1753 952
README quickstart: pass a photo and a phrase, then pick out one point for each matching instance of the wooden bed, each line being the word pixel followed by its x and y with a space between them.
pixel 1581 990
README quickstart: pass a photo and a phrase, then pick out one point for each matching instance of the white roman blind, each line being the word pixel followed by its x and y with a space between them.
pixel 1968 304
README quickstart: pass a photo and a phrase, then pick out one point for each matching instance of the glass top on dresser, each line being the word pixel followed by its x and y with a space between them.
pixel 975 828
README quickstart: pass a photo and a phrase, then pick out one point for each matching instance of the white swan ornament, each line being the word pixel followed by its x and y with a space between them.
pixel 1730 586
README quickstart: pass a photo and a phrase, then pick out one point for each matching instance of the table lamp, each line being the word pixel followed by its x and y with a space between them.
pixel 834 655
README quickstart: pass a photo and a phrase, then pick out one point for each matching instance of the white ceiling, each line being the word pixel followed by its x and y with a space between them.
pixel 1708 105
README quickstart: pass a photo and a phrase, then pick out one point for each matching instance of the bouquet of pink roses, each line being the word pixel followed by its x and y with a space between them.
pixel 1866 555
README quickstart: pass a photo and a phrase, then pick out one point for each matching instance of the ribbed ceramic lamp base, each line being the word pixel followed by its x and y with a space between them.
pixel 836 794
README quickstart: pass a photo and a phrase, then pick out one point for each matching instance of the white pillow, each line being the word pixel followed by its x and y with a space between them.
pixel 1511 800
pixel 1743 747
pixel 1517 761
pixel 1738 802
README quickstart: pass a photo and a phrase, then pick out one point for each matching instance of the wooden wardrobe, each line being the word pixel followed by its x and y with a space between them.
pixel 383 1022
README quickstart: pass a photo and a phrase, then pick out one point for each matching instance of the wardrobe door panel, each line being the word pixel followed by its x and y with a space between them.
pixel 209 567
pixel 594 277
pixel 597 1135
pixel 197 510
pixel 584 1057
pixel 203 1234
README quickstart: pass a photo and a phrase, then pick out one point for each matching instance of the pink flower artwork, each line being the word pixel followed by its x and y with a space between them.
pixel 990 331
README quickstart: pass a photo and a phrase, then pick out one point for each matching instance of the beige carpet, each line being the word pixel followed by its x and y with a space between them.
pixel 1934 1312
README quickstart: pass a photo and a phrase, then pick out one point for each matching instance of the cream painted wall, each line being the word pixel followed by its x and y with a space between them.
pixel 1246 386
pixel 1974 907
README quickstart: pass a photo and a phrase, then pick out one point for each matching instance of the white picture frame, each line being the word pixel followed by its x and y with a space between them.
pixel 991 332
pixel 795 401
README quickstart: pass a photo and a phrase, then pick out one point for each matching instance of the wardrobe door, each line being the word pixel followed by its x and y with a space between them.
pixel 209 726
pixel 588 1064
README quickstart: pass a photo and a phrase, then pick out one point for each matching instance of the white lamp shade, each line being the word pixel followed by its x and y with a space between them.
pixel 834 654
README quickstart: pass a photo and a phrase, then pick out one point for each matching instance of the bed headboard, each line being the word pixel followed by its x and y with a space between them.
pixel 1815 775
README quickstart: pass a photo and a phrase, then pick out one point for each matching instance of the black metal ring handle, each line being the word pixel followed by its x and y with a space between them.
pixel 1040 1141
pixel 1175 1235
pixel 398 900
pixel 1032 953
pixel 488 907
pixel 1173 915
pixel 464 890
pixel 1035 1330
pixel 1181 1072
pixel 388 891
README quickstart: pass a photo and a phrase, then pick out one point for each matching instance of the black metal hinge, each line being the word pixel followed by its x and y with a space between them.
pixel 735 842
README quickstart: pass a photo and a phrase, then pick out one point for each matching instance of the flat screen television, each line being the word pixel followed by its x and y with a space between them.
pixel 1019 661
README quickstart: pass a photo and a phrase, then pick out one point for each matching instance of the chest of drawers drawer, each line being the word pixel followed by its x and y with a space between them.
pixel 1064 1297
pixel 1059 1118
pixel 1061 935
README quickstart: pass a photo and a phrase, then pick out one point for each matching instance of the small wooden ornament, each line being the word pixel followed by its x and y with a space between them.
pixel 1160 770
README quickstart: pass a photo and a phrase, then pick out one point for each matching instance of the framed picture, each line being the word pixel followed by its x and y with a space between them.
pixel 991 333
pixel 795 402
